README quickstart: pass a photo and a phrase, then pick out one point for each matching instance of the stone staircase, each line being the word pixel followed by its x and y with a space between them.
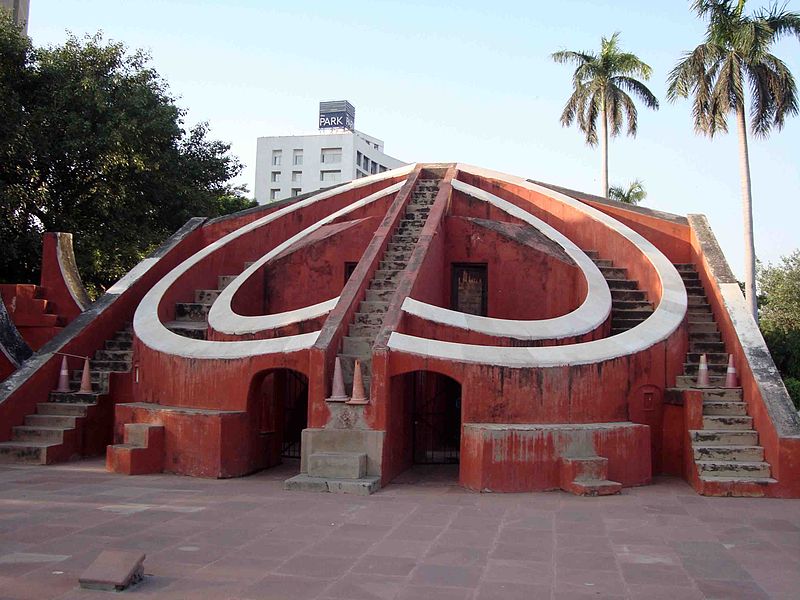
pixel 725 450
pixel 629 304
pixel 191 318
pixel 140 453
pixel 587 476
pixel 67 425
pixel 369 318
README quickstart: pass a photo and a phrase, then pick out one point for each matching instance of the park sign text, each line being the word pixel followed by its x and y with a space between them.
pixel 339 114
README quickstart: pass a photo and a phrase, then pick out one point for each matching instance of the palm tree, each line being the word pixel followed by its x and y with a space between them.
pixel 736 54
pixel 602 84
pixel 633 194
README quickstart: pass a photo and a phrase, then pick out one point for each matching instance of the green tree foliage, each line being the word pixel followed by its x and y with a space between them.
pixel 602 87
pixel 780 318
pixel 633 194
pixel 92 142
pixel 735 56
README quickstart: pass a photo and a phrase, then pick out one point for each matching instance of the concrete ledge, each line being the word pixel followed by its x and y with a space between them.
pixel 357 487
pixel 338 465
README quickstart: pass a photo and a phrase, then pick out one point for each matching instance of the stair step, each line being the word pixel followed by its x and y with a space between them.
pixel 625 323
pixel 23 433
pixel 358 330
pixel 722 395
pixel 630 313
pixel 718 358
pixel 379 284
pixel 685 268
pixel 713 368
pixel 700 316
pixel 728 437
pixel 729 453
pixel 628 295
pixel 368 319
pixel 31 453
pixel 380 295
pixel 113 355
pixel 110 366
pixel 633 305
pixel 725 408
pixel 732 468
pixel 54 421
pixel 392 265
pixel 118 344
pixel 190 329
pixel 74 398
pixel 702 327
pixel 614 273
pixel 373 307
pixel 191 311
pixel 357 346
pixel 206 296
pixel 339 465
pixel 67 409
pixel 622 284
pixel 727 422
pixel 703 347
pixel 690 381
pixel 594 487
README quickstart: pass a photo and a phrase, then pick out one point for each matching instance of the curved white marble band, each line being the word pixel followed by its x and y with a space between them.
pixel 222 318
pixel 666 317
pixel 153 333
pixel 590 315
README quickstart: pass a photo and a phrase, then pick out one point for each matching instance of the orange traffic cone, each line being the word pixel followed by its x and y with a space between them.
pixel 86 379
pixel 702 373
pixel 730 376
pixel 358 397
pixel 63 377
pixel 338 394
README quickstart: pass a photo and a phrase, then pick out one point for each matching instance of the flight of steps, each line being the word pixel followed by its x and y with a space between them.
pixel 629 304
pixel 369 318
pixel 53 433
pixel 726 449
pixel 191 318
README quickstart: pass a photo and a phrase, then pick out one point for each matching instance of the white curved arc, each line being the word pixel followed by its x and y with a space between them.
pixel 155 335
pixel 590 315
pixel 666 317
pixel 222 318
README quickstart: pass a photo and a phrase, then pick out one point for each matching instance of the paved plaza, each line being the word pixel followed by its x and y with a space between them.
pixel 422 537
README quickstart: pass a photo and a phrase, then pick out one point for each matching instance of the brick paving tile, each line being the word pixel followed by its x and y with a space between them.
pixel 423 539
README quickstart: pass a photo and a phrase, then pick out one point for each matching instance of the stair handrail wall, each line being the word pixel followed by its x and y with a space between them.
pixel 33 381
pixel 774 416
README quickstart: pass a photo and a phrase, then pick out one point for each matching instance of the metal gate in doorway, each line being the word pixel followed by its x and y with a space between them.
pixel 436 419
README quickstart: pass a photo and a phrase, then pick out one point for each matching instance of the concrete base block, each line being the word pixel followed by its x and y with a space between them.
pixel 338 465
pixel 357 487
pixel 368 442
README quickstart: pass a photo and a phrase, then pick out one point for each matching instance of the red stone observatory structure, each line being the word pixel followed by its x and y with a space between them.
pixel 538 337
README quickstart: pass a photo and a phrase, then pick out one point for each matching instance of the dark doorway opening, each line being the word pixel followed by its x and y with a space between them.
pixel 349 267
pixel 435 418
pixel 469 286
pixel 280 407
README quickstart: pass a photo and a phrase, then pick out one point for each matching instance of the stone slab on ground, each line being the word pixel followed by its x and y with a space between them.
pixel 114 571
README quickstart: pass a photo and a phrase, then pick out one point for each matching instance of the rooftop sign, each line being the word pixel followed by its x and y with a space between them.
pixel 338 114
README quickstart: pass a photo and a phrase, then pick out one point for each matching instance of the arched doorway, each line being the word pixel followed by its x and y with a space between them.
pixel 279 411
pixel 436 419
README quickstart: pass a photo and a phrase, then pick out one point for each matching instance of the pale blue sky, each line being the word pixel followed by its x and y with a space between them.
pixel 452 81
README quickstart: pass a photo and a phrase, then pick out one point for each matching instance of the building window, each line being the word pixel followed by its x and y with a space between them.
pixel 359 156
pixel 365 166
pixel 297 157
pixel 330 176
pixel 274 193
pixel 331 155
pixel 276 177
pixel 276 158
pixel 295 191
pixel 383 169
pixel 296 176
pixel 374 168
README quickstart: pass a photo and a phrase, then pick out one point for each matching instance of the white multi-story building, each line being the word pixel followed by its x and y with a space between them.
pixel 291 165
pixel 19 11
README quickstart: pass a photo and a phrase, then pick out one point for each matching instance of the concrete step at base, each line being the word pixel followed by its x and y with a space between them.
pixel 338 465
pixel 721 468
pixel 27 453
pixel 357 487
pixel 729 453
pixel 594 487
pixel 709 437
